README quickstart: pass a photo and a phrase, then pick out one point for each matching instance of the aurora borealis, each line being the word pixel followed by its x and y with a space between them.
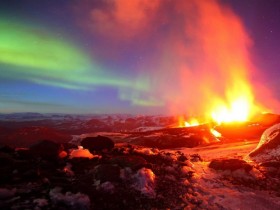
pixel 138 56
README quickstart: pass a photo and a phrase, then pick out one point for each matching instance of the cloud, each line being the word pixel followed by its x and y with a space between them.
pixel 193 53
pixel 9 104
pixel 123 19
pixel 197 52
pixel 137 98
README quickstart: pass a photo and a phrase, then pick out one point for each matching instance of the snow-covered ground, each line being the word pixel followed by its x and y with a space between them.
pixel 212 186
pixel 223 150
pixel 141 172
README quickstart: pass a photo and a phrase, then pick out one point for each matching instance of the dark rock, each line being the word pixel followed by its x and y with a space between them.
pixel 23 165
pixel 46 149
pixel 132 161
pixel 6 160
pixel 81 164
pixel 97 143
pixel 7 149
pixel 24 153
pixel 31 175
pixel 25 171
pixel 196 158
pixel 6 193
pixel 274 164
pixel 6 167
pixel 230 164
pixel 182 158
pixel 47 168
pixel 107 172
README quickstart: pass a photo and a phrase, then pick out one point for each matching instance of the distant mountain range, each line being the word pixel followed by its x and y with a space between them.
pixel 23 129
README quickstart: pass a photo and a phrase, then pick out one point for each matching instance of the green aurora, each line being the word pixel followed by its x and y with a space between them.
pixel 35 55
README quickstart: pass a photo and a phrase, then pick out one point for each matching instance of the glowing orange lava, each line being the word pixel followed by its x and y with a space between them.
pixel 188 123
pixel 237 106
pixel 191 122
pixel 194 122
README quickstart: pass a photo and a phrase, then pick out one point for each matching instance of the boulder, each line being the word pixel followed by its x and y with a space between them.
pixel 7 193
pixel 6 167
pixel 6 160
pixel 230 164
pixel 107 173
pixel 98 143
pixel 24 153
pixel 268 148
pixel 132 161
pixel 46 149
pixel 7 149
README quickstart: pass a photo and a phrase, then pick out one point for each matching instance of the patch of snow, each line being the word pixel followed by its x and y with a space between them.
pixel 239 174
pixel 189 163
pixel 146 151
pixel 269 134
pixel 221 194
pixel 41 202
pixel 186 169
pixel 270 153
pixel 144 181
pixel 267 155
pixel 256 174
pixel 125 173
pixel 96 183
pixel 74 201
pixel 107 187
pixel 187 136
pixel 68 169
pixel 144 129
pixel 76 139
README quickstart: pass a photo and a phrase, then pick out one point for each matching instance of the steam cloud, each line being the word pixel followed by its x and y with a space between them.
pixel 191 51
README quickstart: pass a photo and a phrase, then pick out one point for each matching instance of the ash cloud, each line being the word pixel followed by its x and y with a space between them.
pixel 191 51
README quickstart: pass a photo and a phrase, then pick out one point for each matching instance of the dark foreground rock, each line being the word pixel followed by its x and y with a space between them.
pixel 128 177
pixel 97 143
pixel 46 149
pixel 230 164
pixel 107 173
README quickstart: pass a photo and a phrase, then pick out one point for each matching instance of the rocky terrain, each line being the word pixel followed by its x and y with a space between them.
pixel 159 168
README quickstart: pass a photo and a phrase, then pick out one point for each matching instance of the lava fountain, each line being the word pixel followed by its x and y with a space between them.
pixel 218 81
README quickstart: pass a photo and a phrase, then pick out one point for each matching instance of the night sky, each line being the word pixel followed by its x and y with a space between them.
pixel 134 56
